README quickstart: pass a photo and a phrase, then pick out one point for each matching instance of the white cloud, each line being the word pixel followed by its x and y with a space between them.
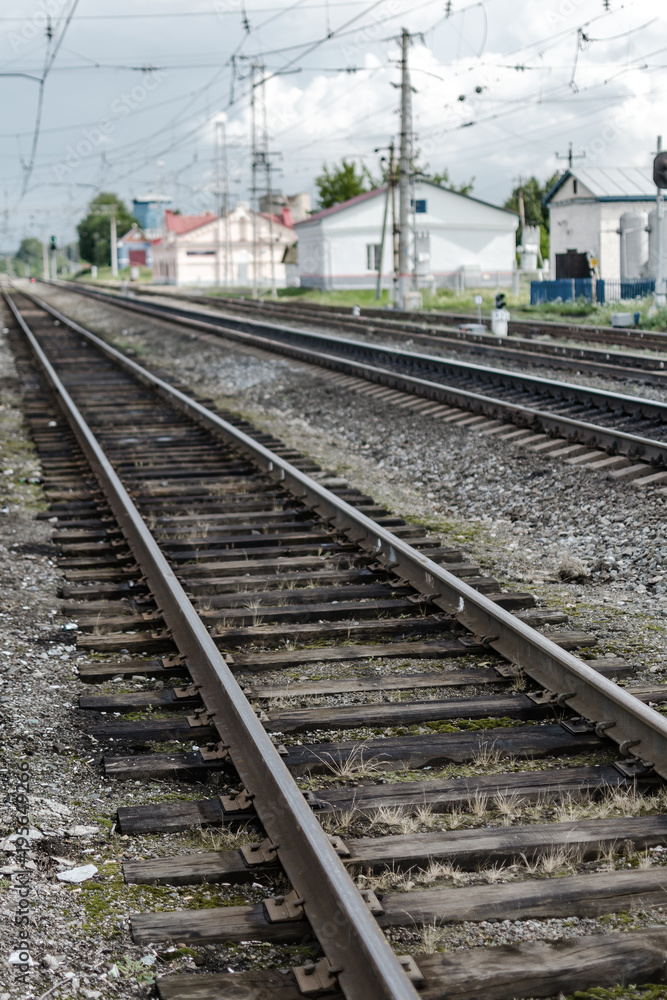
pixel 518 120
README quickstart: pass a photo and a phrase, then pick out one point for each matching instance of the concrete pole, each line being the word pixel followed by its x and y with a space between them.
pixel 253 197
pixel 404 176
pixel 218 196
pixel 114 248
pixel 659 297
pixel 390 175
pixel 225 206
pixel 269 191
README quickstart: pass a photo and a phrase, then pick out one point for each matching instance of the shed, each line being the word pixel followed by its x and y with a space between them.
pixel 585 209
pixel 135 249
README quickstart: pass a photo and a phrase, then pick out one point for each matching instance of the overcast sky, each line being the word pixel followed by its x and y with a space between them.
pixel 133 90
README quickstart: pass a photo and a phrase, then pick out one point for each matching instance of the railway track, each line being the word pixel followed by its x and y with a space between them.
pixel 624 434
pixel 209 559
pixel 636 354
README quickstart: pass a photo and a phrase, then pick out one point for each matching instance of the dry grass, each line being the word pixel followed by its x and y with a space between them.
pixel 556 859
pixel 479 805
pixel 487 756
pixel 253 606
pixel 572 569
pixel 338 822
pixel 402 821
pixel 606 856
pixel 435 871
pixel 225 839
pixel 495 873
pixel 430 938
pixel 356 765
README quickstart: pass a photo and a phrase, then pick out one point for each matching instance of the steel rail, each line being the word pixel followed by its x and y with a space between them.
pixel 436 320
pixel 348 933
pixel 429 362
pixel 647 367
pixel 640 731
pixel 596 435
pixel 652 339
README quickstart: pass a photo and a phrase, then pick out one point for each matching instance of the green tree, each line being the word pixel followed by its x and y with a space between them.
pixel 95 229
pixel 444 180
pixel 30 255
pixel 536 213
pixel 341 182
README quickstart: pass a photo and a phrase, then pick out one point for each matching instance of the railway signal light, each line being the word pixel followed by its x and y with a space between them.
pixel 53 243
pixel 660 170
pixel 500 300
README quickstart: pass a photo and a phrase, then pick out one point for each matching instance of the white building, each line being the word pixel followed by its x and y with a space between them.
pixel 206 250
pixel 455 240
pixel 585 209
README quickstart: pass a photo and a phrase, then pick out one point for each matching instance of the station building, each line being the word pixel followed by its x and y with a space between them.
pixel 210 251
pixel 455 241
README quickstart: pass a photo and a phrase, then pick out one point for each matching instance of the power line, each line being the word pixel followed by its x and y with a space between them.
pixel 164 15
pixel 48 63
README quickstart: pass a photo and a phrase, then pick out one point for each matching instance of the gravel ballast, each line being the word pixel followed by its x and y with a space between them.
pixel 527 520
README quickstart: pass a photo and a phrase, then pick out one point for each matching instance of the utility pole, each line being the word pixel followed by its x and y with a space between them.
pixel 225 204
pixel 659 297
pixel 114 248
pixel 522 207
pixel 404 175
pixel 253 196
pixel 269 192
pixel 45 257
pixel 218 195
pixel 390 188
pixel 53 260
pixel 570 156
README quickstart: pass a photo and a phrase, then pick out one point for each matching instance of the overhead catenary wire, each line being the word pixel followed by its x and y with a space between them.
pixel 51 53
pixel 138 153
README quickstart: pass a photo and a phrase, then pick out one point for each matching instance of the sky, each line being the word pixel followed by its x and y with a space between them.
pixel 136 94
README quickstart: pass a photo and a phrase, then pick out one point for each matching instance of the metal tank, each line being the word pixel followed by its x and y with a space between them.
pixel 653 244
pixel 634 245
pixel 530 239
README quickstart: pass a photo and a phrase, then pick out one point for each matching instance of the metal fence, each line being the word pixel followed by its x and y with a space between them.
pixel 615 290
pixel 594 289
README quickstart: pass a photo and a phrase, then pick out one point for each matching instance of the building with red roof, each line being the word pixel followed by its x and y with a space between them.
pixel 233 250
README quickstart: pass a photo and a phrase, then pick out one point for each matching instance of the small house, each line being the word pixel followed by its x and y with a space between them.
pixel 589 210
pixel 135 249
pixel 225 251
pixel 454 241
